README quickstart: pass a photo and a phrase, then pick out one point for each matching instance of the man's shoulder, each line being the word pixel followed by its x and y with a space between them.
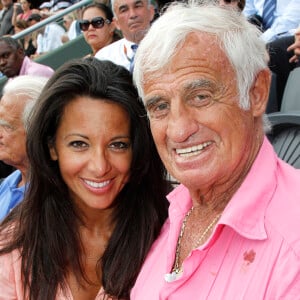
pixel 34 68
pixel 10 180
pixel 110 49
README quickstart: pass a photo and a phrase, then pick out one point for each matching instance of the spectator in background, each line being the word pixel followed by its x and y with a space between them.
pixel 26 11
pixel 13 61
pixel 239 4
pixel 294 48
pixel 28 42
pixel 44 9
pixel 6 26
pixel 133 18
pixel 34 18
pixel 97 26
pixel 49 37
pixel 70 24
pixel 284 20
pixel 18 98
pixel 57 5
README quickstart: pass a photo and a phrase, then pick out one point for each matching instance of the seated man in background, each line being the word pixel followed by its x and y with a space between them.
pixel 13 61
pixel 233 227
pixel 19 97
pixel 133 19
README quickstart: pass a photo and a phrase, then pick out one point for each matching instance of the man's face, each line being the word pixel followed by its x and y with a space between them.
pixel 201 133
pixel 10 60
pixel 12 133
pixel 133 18
pixel 6 3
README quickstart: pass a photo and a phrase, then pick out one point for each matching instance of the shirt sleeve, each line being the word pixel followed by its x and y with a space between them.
pixel 250 8
pixel 284 24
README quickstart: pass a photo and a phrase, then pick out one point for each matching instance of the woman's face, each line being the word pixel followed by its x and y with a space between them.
pixel 93 151
pixel 25 5
pixel 97 38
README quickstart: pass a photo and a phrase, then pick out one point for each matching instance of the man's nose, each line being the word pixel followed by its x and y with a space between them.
pixel 181 124
pixel 132 13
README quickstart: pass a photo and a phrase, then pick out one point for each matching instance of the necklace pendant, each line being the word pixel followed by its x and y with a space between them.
pixel 169 277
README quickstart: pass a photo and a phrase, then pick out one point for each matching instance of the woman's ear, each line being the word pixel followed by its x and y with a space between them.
pixel 259 92
pixel 52 150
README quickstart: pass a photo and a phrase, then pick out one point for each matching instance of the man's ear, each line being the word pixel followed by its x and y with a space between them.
pixel 116 23
pixel 259 92
pixel 152 12
pixel 20 52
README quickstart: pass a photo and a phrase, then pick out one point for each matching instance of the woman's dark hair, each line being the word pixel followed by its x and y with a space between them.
pixel 45 225
pixel 104 8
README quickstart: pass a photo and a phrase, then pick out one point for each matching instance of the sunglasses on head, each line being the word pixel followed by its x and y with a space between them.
pixel 97 22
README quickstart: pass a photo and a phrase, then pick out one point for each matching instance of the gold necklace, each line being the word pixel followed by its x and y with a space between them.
pixel 177 269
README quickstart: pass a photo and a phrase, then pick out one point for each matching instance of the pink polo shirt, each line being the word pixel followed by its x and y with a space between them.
pixel 254 251
pixel 30 67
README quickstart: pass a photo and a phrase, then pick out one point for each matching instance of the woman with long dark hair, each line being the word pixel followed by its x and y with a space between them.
pixel 96 198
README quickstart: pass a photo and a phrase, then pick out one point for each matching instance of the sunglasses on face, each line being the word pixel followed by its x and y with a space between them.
pixel 97 22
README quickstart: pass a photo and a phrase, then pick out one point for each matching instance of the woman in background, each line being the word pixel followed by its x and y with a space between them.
pixel 97 26
pixel 29 40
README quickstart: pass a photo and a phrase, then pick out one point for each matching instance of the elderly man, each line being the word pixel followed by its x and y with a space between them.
pixel 19 97
pixel 233 228
pixel 132 18
pixel 13 61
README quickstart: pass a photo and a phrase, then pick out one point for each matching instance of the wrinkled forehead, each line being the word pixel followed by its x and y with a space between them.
pixel 197 50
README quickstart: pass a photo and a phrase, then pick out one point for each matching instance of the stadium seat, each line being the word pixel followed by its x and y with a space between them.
pixel 285 136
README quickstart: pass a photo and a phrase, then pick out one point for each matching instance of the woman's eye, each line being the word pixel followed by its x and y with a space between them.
pixel 78 144
pixel 120 145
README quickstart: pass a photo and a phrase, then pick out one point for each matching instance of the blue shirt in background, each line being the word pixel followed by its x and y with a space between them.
pixel 10 193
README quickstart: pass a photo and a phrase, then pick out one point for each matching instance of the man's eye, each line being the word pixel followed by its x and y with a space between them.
pixel 159 109
pixel 5 55
pixel 122 9
pixel 202 100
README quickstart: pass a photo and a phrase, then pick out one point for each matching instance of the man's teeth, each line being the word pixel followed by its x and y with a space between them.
pixel 186 152
pixel 97 184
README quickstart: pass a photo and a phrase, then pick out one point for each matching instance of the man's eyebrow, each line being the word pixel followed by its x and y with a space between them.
pixel 122 6
pixel 150 101
pixel 199 83
pixel 4 123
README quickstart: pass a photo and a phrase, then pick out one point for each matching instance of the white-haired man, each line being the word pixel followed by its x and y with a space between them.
pixel 233 223
pixel 19 97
